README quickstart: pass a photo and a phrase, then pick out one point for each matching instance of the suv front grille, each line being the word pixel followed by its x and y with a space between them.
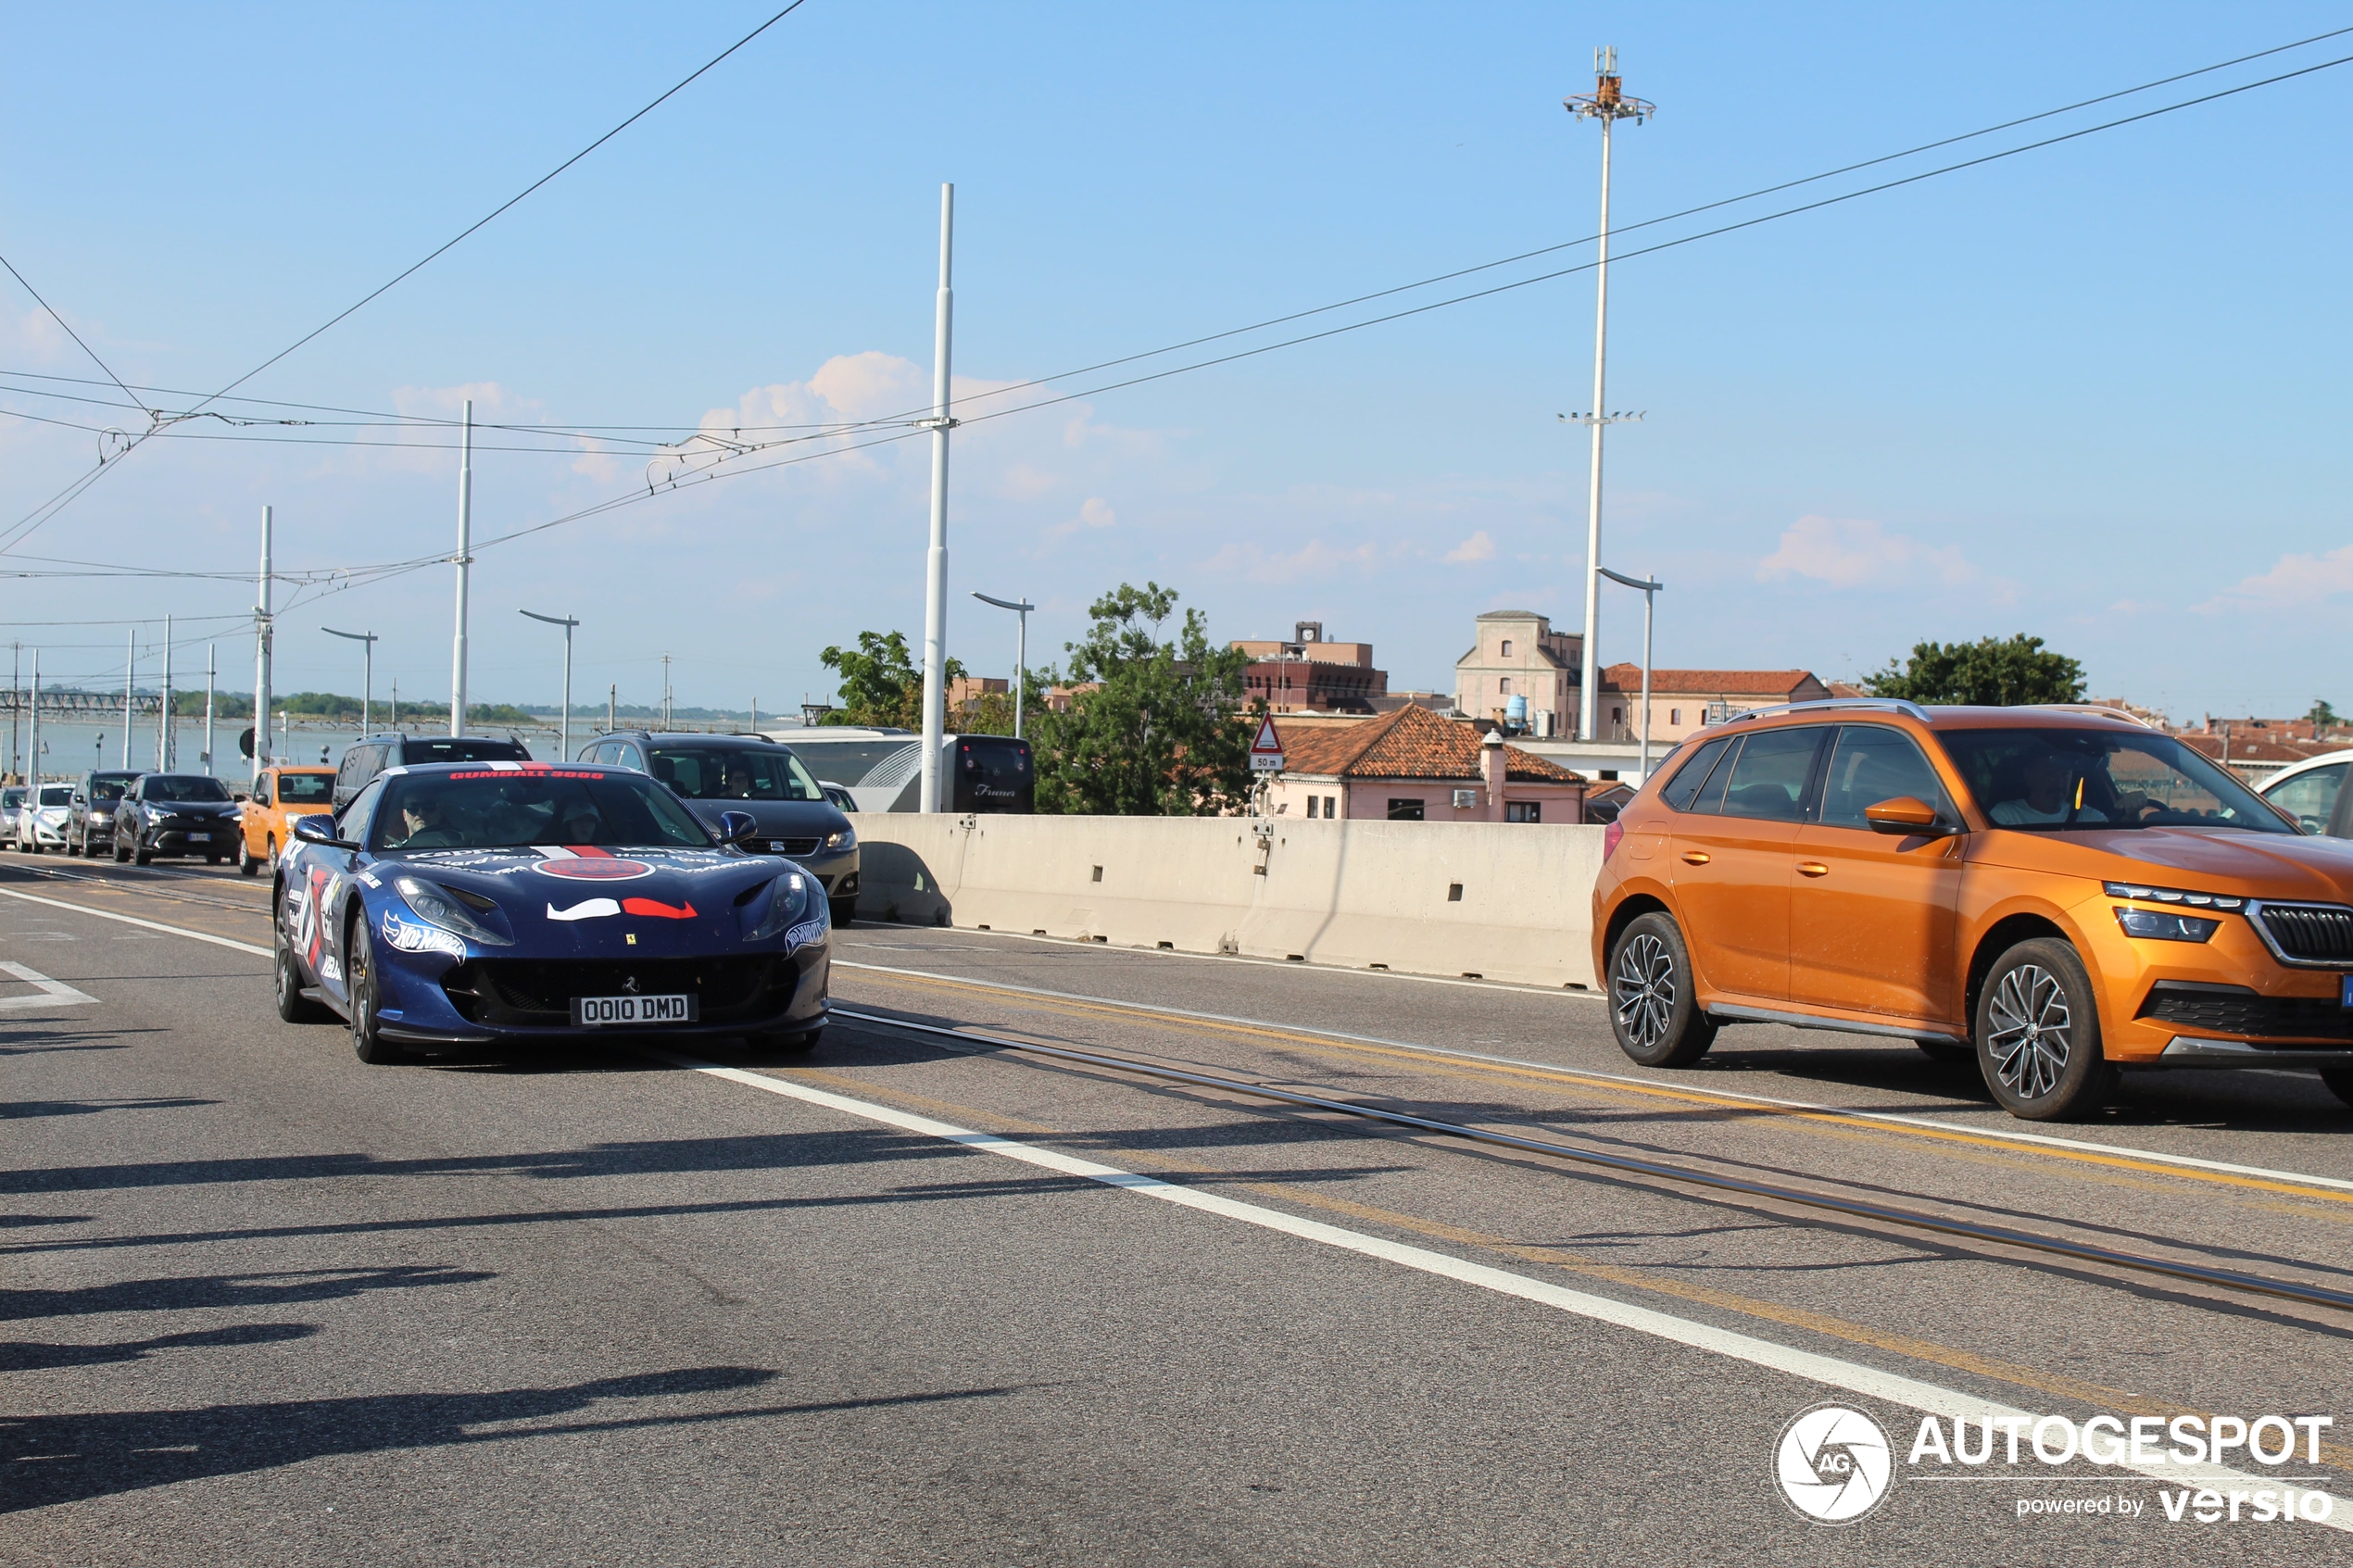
pixel 2310 933
pixel 540 991
pixel 2231 1010
pixel 794 848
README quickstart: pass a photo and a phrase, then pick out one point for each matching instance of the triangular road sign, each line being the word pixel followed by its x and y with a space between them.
pixel 1266 751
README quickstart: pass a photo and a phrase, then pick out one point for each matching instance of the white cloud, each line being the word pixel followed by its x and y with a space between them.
pixel 2294 580
pixel 1858 553
pixel 1477 547
pixel 1095 513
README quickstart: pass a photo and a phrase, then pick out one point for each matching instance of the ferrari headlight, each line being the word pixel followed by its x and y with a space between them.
pixel 842 838
pixel 787 903
pixel 440 907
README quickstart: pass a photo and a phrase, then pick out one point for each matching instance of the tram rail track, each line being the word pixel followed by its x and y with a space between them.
pixel 1650 1171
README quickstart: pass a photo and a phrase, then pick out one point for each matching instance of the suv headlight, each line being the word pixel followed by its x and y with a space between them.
pixel 842 838
pixel 2164 925
pixel 789 903
pixel 440 907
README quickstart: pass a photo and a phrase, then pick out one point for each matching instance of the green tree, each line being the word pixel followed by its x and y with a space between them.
pixel 1162 731
pixel 2323 717
pixel 1990 673
pixel 881 685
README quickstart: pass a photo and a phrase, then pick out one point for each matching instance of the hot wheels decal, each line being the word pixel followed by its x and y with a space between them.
pixel 415 937
pixel 803 935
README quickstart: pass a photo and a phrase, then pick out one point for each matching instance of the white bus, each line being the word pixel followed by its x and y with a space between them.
pixel 883 768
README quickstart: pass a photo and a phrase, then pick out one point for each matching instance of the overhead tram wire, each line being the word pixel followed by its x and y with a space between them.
pixel 591 430
pixel 1668 218
pixel 354 576
pixel 634 497
pixel 17 531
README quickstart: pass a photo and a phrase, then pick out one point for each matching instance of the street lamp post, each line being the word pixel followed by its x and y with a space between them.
pixel 564 724
pixel 367 640
pixel 1649 590
pixel 1021 609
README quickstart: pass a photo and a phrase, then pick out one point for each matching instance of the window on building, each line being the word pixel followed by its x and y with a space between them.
pixel 1404 810
pixel 1313 802
pixel 1331 806
pixel 1504 687
pixel 1523 810
pixel 1674 715
pixel 1507 648
pixel 1617 715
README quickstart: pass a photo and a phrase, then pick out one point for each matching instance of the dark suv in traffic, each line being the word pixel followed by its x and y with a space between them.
pixel 371 755
pixel 90 819
pixel 176 814
pixel 718 774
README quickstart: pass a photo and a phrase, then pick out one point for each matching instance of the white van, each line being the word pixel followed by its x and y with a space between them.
pixel 883 768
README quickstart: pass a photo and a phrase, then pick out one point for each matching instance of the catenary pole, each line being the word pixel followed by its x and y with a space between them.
pixel 16 705
pixel 211 680
pixel 465 561
pixel 130 660
pixel 935 562
pixel 32 772
pixel 163 711
pixel 1608 104
pixel 262 632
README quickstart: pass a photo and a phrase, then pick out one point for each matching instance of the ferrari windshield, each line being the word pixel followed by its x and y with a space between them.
pixel 485 810
pixel 2079 781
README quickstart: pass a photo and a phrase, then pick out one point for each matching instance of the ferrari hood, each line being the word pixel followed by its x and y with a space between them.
pixel 586 900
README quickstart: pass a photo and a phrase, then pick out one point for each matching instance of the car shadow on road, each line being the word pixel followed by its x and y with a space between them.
pixel 93 1106
pixel 201 1292
pixel 57 1458
pixel 28 1356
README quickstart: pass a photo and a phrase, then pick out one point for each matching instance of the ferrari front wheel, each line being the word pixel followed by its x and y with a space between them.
pixel 360 974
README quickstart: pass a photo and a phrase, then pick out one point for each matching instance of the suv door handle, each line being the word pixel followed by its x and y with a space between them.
pixel 1695 857
pixel 1812 868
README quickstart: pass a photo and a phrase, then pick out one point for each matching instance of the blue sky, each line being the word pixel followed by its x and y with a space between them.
pixel 2093 392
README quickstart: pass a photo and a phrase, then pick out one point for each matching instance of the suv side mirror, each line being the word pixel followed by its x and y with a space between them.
pixel 737 826
pixel 1906 814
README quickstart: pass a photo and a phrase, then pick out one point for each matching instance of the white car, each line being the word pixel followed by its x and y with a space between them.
pixel 2312 791
pixel 11 802
pixel 43 826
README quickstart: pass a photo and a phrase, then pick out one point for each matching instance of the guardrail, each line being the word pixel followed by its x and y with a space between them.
pixel 1493 901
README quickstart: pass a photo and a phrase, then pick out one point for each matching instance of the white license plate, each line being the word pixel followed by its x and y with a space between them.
pixel 604 1010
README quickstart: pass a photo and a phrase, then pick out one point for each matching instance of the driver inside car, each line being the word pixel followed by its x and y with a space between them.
pixel 2052 790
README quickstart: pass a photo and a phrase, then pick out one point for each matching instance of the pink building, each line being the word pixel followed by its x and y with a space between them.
pixel 1413 766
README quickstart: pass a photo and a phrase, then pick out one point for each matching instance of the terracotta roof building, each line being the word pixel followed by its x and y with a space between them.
pixel 1308 673
pixel 1517 654
pixel 1414 766
pixel 1681 699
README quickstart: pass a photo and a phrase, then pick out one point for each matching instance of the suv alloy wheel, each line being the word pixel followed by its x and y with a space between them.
pixel 2038 1033
pixel 1652 1009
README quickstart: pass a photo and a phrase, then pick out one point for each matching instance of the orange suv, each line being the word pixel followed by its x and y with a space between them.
pixel 2059 891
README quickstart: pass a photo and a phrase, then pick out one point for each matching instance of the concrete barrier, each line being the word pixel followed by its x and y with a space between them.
pixel 1499 900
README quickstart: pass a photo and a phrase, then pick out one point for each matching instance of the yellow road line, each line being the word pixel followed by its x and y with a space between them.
pixel 1466 1065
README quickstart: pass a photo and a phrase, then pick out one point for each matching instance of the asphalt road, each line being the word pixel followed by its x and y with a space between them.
pixel 925 1299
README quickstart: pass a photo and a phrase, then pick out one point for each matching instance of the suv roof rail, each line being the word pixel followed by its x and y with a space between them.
pixel 1881 704
pixel 2100 709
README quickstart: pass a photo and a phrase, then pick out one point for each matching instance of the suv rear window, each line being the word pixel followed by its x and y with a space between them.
pixel 305 789
pixel 462 749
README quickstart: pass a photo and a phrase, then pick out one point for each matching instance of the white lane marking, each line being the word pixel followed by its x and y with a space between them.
pixel 1960 1129
pixel 1579 993
pixel 54 993
pixel 1852 1376
pixel 133 920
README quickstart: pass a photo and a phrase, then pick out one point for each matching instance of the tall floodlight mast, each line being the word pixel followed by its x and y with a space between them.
pixel 1608 104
